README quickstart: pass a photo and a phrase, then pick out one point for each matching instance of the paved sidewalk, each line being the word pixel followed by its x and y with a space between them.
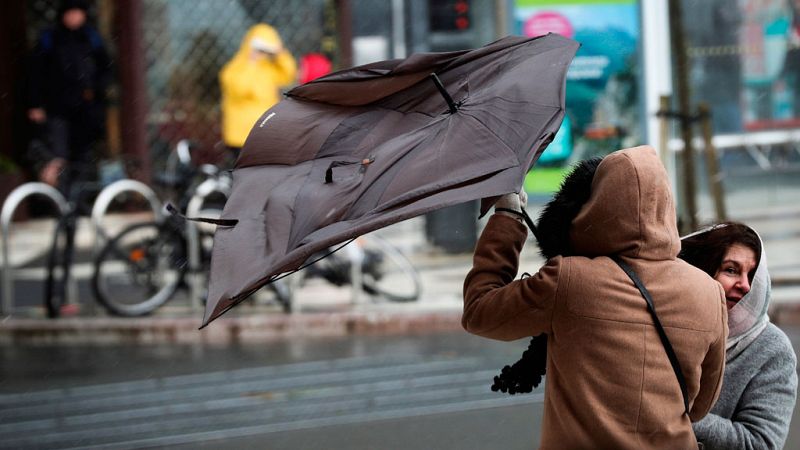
pixel 321 309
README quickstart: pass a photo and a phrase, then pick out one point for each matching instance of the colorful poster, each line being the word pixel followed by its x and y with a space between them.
pixel 602 83
pixel 770 60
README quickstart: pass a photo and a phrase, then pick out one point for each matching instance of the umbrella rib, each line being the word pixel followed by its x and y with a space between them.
pixel 447 98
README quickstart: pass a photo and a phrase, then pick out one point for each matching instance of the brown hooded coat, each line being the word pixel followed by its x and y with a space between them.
pixel 609 382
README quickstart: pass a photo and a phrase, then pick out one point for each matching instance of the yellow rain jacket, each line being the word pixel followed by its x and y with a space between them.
pixel 251 86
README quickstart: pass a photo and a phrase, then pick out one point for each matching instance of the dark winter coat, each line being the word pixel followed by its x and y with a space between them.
pixel 69 71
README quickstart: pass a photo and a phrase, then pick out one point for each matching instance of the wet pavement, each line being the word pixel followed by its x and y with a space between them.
pixel 429 390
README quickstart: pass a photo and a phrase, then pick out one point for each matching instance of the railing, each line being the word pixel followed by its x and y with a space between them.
pixel 759 145
pixel 99 209
pixel 10 206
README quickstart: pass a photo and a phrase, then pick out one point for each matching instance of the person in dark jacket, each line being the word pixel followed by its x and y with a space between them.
pixel 69 74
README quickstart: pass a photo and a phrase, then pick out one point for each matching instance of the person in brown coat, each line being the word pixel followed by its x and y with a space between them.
pixel 609 380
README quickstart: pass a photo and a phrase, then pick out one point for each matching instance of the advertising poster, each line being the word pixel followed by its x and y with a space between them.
pixel 746 66
pixel 769 38
pixel 602 82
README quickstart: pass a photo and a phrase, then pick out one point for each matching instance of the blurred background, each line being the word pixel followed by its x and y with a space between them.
pixel 713 85
pixel 741 60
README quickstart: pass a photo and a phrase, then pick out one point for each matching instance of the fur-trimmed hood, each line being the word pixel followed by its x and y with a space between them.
pixel 552 229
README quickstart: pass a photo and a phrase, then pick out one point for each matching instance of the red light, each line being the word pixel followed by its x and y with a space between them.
pixel 461 7
pixel 462 23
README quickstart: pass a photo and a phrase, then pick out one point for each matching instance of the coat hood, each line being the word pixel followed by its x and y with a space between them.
pixel 552 228
pixel 630 211
pixel 259 37
pixel 748 318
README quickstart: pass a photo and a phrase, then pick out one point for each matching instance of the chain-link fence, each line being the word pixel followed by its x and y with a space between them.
pixel 186 43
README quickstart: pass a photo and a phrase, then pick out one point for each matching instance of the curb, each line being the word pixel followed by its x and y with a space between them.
pixel 224 331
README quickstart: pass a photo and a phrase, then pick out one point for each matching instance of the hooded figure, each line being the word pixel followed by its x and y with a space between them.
pixel 760 383
pixel 609 380
pixel 552 235
pixel 69 73
pixel 250 82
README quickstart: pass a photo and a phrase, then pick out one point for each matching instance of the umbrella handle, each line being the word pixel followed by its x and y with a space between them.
pixel 450 103
pixel 530 223
pixel 524 214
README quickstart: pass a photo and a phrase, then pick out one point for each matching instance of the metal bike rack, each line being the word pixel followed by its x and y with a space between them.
pixel 9 208
pixel 103 201
pixel 193 209
pixel 112 191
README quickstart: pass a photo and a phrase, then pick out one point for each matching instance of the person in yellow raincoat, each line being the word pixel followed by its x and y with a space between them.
pixel 251 80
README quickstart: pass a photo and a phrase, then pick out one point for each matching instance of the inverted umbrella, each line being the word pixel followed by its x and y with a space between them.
pixel 367 147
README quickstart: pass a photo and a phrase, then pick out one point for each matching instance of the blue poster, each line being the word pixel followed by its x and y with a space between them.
pixel 602 82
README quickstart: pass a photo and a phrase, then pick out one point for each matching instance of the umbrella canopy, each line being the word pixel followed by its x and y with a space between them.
pixel 367 147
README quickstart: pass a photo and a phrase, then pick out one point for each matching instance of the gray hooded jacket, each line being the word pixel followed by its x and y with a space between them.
pixel 759 388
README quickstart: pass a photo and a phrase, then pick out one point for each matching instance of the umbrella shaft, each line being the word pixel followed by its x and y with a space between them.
pixel 450 103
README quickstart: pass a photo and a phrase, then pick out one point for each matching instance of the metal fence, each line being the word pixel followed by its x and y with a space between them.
pixel 186 43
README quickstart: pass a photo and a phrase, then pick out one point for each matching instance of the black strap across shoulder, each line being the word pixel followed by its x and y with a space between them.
pixel 676 366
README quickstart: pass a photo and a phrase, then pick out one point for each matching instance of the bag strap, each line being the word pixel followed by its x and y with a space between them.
pixel 676 366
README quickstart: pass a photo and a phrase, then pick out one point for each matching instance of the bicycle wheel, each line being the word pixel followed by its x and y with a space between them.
pixel 59 261
pixel 140 269
pixel 387 272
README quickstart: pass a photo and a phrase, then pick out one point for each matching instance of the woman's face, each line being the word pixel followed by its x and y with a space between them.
pixel 737 269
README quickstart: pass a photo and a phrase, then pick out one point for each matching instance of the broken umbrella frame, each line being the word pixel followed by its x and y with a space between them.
pixel 367 147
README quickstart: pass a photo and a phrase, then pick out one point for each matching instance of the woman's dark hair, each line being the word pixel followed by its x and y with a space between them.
pixel 706 250
pixel 552 234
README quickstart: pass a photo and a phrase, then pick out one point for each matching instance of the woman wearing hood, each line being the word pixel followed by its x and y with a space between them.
pixel 251 80
pixel 760 384
pixel 610 383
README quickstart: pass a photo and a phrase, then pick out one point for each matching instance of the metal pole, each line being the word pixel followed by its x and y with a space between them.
pixel 133 89
pixel 657 64
pixel 712 165
pixel 6 214
pixel 398 29
pixel 501 18
pixel 663 125
pixel 344 28
pixel 684 111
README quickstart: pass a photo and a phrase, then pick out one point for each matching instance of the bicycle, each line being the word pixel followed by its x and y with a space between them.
pixel 62 250
pixel 385 271
pixel 144 266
